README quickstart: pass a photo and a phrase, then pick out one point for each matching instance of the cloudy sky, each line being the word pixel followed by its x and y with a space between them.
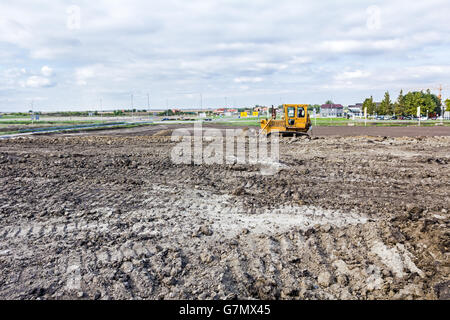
pixel 79 55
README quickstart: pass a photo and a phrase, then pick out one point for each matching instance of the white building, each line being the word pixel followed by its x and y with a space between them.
pixel 332 110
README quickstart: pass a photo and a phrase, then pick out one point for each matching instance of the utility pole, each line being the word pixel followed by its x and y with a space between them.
pixel 148 101
pixel 315 117
pixel 101 108
pixel 32 111
pixel 365 116
pixel 132 104
pixel 440 93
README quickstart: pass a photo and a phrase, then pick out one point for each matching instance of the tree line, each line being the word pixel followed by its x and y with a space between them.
pixel 406 104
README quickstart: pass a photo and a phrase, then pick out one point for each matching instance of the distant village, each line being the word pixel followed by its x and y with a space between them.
pixel 324 110
pixel 404 108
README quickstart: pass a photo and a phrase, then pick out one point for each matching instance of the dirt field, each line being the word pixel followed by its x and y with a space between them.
pixel 341 131
pixel 411 131
pixel 112 217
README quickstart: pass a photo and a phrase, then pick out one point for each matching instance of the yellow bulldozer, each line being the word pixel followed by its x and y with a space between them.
pixel 295 121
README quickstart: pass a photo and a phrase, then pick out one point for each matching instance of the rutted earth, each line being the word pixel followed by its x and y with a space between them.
pixel 96 217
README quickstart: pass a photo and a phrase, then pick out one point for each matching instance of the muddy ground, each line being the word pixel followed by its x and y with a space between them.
pixel 379 131
pixel 319 131
pixel 112 217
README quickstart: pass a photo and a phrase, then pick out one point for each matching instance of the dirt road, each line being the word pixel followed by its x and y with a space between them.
pixel 113 217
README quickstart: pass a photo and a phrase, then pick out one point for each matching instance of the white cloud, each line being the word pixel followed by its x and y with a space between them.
pixel 256 52
pixel 46 71
pixel 248 80
pixel 360 46
pixel 349 75
pixel 47 53
pixel 84 74
pixel 36 82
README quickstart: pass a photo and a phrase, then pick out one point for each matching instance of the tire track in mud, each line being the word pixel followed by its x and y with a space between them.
pixel 130 224
pixel 272 277
pixel 290 286
pixel 264 283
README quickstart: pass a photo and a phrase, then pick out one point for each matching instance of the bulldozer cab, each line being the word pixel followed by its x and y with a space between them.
pixel 295 120
pixel 295 114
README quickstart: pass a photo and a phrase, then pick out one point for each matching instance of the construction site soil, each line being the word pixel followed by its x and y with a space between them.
pixel 320 131
pixel 100 216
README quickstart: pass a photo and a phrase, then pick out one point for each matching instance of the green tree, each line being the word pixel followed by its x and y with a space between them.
pixel 427 102
pixel 412 101
pixel 399 106
pixel 432 103
pixel 168 112
pixel 314 107
pixel 329 102
pixel 447 103
pixel 386 105
pixel 370 105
